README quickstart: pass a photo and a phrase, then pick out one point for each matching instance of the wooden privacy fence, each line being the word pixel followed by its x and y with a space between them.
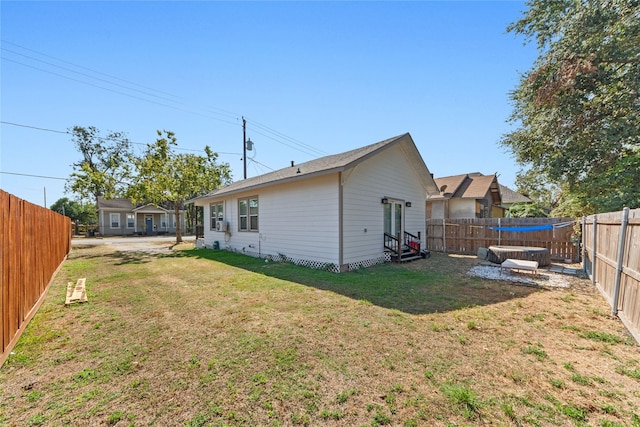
pixel 611 258
pixel 466 236
pixel 33 243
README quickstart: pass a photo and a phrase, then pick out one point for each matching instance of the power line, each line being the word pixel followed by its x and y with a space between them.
pixel 33 176
pixel 118 92
pixel 261 164
pixel 85 75
pixel 81 67
pixel 282 135
pixel 104 139
pixel 277 136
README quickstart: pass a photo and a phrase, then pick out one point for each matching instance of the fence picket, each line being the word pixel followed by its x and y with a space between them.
pixel 613 263
pixel 34 242
pixel 466 236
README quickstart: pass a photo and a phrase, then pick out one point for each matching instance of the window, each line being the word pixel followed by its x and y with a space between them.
pixel 173 220
pixel 163 221
pixel 217 214
pixel 131 221
pixel 248 214
pixel 114 220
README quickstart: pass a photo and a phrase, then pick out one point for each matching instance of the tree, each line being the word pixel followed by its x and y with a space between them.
pixel 164 176
pixel 83 213
pixel 105 168
pixel 578 108
pixel 526 210
pixel 538 188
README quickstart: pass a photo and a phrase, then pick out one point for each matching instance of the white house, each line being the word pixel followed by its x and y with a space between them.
pixel 331 213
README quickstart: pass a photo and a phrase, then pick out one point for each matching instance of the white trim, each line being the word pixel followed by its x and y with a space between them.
pixel 111 216
pixel 127 221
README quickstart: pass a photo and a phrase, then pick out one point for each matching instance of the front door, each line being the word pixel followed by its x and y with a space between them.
pixel 148 221
pixel 393 218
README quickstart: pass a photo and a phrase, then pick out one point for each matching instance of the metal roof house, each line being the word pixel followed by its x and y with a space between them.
pixel 330 213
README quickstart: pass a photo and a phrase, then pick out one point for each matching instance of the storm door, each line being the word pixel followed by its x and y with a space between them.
pixel 393 218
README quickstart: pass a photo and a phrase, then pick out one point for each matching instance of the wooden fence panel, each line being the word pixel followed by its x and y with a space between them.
pixel 612 260
pixel 466 236
pixel 35 241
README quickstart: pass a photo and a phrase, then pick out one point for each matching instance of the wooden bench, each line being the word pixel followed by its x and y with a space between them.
pixel 519 264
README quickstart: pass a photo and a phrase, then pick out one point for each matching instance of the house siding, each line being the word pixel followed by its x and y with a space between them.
pixel 364 187
pixel 438 210
pixel 297 221
pixel 104 222
pixel 462 208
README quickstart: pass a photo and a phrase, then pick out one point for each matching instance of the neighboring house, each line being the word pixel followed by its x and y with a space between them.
pixel 509 197
pixel 329 213
pixel 470 195
pixel 119 217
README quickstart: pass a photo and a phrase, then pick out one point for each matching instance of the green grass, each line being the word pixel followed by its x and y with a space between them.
pixel 200 338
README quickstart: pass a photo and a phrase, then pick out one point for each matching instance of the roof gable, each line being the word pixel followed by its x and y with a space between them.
pixel 509 196
pixel 332 164
pixel 467 186
pixel 150 208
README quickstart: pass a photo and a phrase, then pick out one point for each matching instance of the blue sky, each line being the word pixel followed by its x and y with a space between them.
pixel 311 78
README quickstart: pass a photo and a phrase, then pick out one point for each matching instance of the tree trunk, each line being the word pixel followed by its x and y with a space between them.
pixel 178 228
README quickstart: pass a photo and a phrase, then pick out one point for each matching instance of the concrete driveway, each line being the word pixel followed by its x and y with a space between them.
pixel 132 243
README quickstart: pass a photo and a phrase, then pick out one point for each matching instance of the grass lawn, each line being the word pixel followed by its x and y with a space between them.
pixel 210 338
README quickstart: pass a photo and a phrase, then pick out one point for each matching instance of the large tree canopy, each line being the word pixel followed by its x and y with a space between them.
pixel 164 176
pixel 578 108
pixel 83 213
pixel 105 167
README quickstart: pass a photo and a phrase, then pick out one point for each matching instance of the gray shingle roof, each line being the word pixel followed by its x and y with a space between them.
pixel 509 196
pixel 324 165
pixel 120 204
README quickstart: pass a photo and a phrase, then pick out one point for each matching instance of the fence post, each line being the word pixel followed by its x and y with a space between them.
pixel 444 235
pixel 584 245
pixel 621 247
pixel 499 232
pixel 594 257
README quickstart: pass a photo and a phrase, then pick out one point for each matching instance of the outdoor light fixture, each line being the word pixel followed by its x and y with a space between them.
pixel 385 200
pixel 408 204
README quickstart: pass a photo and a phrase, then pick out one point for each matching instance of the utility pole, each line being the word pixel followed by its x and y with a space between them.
pixel 244 145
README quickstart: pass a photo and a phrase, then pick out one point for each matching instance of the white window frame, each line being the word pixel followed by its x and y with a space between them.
pixel 216 214
pixel 248 215
pixel 163 221
pixel 131 217
pixel 113 215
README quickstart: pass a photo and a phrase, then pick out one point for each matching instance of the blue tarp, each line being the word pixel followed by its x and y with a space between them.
pixel 524 229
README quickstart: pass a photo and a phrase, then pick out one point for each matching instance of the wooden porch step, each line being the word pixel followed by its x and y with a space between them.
pixel 410 258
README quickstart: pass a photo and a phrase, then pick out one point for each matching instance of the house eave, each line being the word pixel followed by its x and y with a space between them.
pixel 221 194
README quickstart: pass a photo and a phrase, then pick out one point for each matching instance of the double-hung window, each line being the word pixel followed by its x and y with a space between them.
pixel 217 214
pixel 248 214
pixel 114 219
pixel 131 220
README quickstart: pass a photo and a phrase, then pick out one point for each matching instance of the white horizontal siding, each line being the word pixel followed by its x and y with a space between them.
pixel 387 174
pixel 299 221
